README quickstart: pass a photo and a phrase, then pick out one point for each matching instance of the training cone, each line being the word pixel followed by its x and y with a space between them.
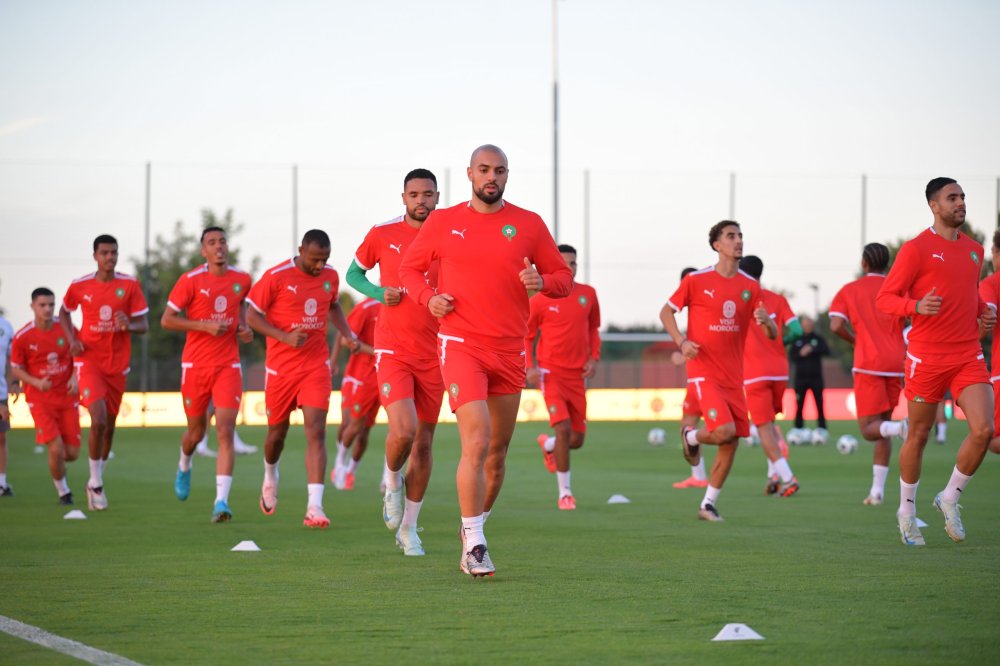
pixel 245 546
pixel 618 499
pixel 734 631
pixel 75 514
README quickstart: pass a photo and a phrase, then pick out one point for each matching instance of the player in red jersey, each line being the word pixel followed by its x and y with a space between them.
pixel 213 300
pixel 41 360
pixel 989 291
pixel 409 378
pixel 690 415
pixel 879 352
pixel 359 401
pixel 722 301
pixel 488 250
pixel 291 304
pixel 941 268
pixel 113 307
pixel 765 372
pixel 569 347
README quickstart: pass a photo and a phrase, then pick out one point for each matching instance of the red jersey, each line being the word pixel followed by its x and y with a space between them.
pixel 103 345
pixel 481 255
pixel 765 359
pixel 290 298
pixel 569 328
pixel 201 296
pixel 363 321
pixel 952 269
pixel 989 291
pixel 45 354
pixel 720 311
pixel 879 348
pixel 408 326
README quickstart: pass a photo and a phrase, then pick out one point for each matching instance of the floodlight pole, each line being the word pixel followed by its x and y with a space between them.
pixel 864 211
pixel 295 208
pixel 732 195
pixel 586 225
pixel 144 383
pixel 555 120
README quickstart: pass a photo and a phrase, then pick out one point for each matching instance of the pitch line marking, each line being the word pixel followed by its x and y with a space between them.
pixel 64 645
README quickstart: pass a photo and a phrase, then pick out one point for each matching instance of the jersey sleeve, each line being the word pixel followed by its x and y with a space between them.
pixel 368 252
pixel 245 282
pixel 988 291
pixel 894 296
pixel 260 295
pixel 71 301
pixel 334 287
pixel 595 329
pixel 681 298
pixel 356 319
pixel 785 313
pixel 841 305
pixel 534 323
pixel 18 356
pixel 137 301
pixel 557 278
pixel 180 295
pixel 417 260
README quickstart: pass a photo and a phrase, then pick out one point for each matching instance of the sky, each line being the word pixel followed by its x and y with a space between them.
pixel 660 104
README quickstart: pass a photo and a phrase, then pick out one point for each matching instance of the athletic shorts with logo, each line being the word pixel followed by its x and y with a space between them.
pixel 565 393
pixel 875 394
pixel 404 377
pixel 690 405
pixel 720 406
pixel 475 373
pixel 765 398
pixel 284 391
pixel 360 398
pixel 221 384
pixel 96 385
pixel 929 376
pixel 52 421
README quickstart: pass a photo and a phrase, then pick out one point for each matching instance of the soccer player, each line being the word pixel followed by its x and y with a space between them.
pixel 569 347
pixel 722 300
pixel 212 299
pixel 291 304
pixel 765 371
pixel 40 359
pixel 942 267
pixel 690 415
pixel 406 364
pixel 488 250
pixel 6 338
pixel 989 291
pixel 359 401
pixel 113 308
pixel 879 352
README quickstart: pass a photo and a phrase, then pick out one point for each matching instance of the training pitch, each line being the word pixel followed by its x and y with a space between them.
pixel 823 578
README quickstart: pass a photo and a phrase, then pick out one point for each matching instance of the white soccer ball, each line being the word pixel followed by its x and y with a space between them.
pixel 656 437
pixel 820 436
pixel 798 436
pixel 847 444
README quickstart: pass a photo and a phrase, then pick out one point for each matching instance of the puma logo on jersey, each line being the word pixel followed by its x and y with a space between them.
pixel 33 347
pixel 397 248
pixel 461 233
pixel 711 294
pixel 938 256
pixel 294 288
pixel 205 291
pixel 88 298
pixel 554 308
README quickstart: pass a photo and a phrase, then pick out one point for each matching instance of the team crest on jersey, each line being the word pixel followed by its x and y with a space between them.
pixel 713 414
pixel 187 402
pixel 61 342
pixel 552 409
pixel 119 292
pixel 745 295
pixel 582 301
pixel 919 399
pixel 310 307
pixel 326 285
pixel 509 231
pixel 729 309
pixel 357 407
pixel 386 388
pixel 86 392
pixel 453 390
pixel 975 258
pixel 105 313
pixel 237 288
pixel 221 304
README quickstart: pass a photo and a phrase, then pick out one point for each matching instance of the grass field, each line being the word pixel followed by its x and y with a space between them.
pixel 821 577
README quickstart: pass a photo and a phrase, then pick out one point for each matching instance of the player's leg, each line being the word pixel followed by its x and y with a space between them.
pixel 418 476
pixel 225 431
pixel 96 437
pixel 800 401
pixel 503 418
pixel 995 440
pixel 689 421
pixel 470 479
pixel 871 428
pixel 314 424
pixel 5 490
pixel 274 444
pixel 343 447
pixel 817 390
pixel 398 443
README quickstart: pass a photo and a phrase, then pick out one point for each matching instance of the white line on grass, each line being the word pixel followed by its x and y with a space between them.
pixel 60 644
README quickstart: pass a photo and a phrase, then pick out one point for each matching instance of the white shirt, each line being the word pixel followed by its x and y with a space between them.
pixel 6 338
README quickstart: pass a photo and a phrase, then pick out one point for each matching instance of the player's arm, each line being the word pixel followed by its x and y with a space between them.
pixel 556 277
pixel 293 338
pixel 40 383
pixel 66 321
pixel 840 327
pixel 138 323
pixel 531 374
pixel 793 331
pixel 594 323
pixel 336 317
pixel 669 321
pixel 415 263
pixel 894 295
pixel 357 277
pixel 363 347
pixel 243 331
pixel 173 320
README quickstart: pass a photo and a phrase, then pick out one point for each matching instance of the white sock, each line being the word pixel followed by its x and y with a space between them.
pixel 270 472
pixel 562 478
pixel 711 495
pixel 411 511
pixel 692 436
pixel 907 498
pixel 315 495
pixel 3 479
pixel 770 468
pixel 486 516
pixel 783 470
pixel 698 471
pixel 890 428
pixel 185 464
pixel 472 528
pixel 393 480
pixel 753 431
pixel 352 465
pixel 222 485
pixel 203 444
pixel 236 439
pixel 61 487
pixel 879 474
pixel 96 478
pixel 942 432
pixel 550 444
pixel 341 455
pixel 955 486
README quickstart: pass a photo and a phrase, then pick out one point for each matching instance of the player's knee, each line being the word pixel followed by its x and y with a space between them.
pixel 981 432
pixel 724 433
pixel 71 453
pixel 225 431
pixel 576 440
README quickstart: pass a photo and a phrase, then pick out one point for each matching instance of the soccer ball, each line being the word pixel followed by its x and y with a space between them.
pixel 820 436
pixel 798 436
pixel 656 437
pixel 847 444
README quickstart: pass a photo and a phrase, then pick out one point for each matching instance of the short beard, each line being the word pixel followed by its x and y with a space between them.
pixel 415 216
pixel 489 198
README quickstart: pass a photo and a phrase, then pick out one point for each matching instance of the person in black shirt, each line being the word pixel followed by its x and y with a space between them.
pixel 806 354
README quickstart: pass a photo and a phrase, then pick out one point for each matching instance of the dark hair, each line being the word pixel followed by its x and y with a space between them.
pixel 208 230
pixel 685 271
pixel 752 266
pixel 41 291
pixel 105 239
pixel 716 231
pixel 568 249
pixel 316 237
pixel 935 186
pixel 419 173
pixel 996 238
pixel 876 256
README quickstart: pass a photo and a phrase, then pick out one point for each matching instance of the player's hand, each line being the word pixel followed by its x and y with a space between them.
pixel 760 313
pixel 244 333
pixel 392 296
pixel 677 358
pixel 214 327
pixel 76 348
pixel 589 368
pixel 441 304
pixel 530 278
pixel 15 389
pixel 351 343
pixel 531 376
pixel 988 319
pixel 44 384
pixel 296 337
pixel 73 385
pixel 121 321
pixel 4 413
pixel 930 304
pixel 690 348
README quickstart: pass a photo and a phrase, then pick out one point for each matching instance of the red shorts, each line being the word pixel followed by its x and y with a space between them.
pixel 222 384
pixel 875 394
pixel 720 406
pixel 53 421
pixel 928 377
pixel 996 407
pixel 565 394
pixel 284 391
pixel 765 398
pixel 360 398
pixel 690 406
pixel 474 373
pixel 96 385
pixel 402 377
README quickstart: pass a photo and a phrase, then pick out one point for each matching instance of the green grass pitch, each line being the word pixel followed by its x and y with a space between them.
pixel 823 578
